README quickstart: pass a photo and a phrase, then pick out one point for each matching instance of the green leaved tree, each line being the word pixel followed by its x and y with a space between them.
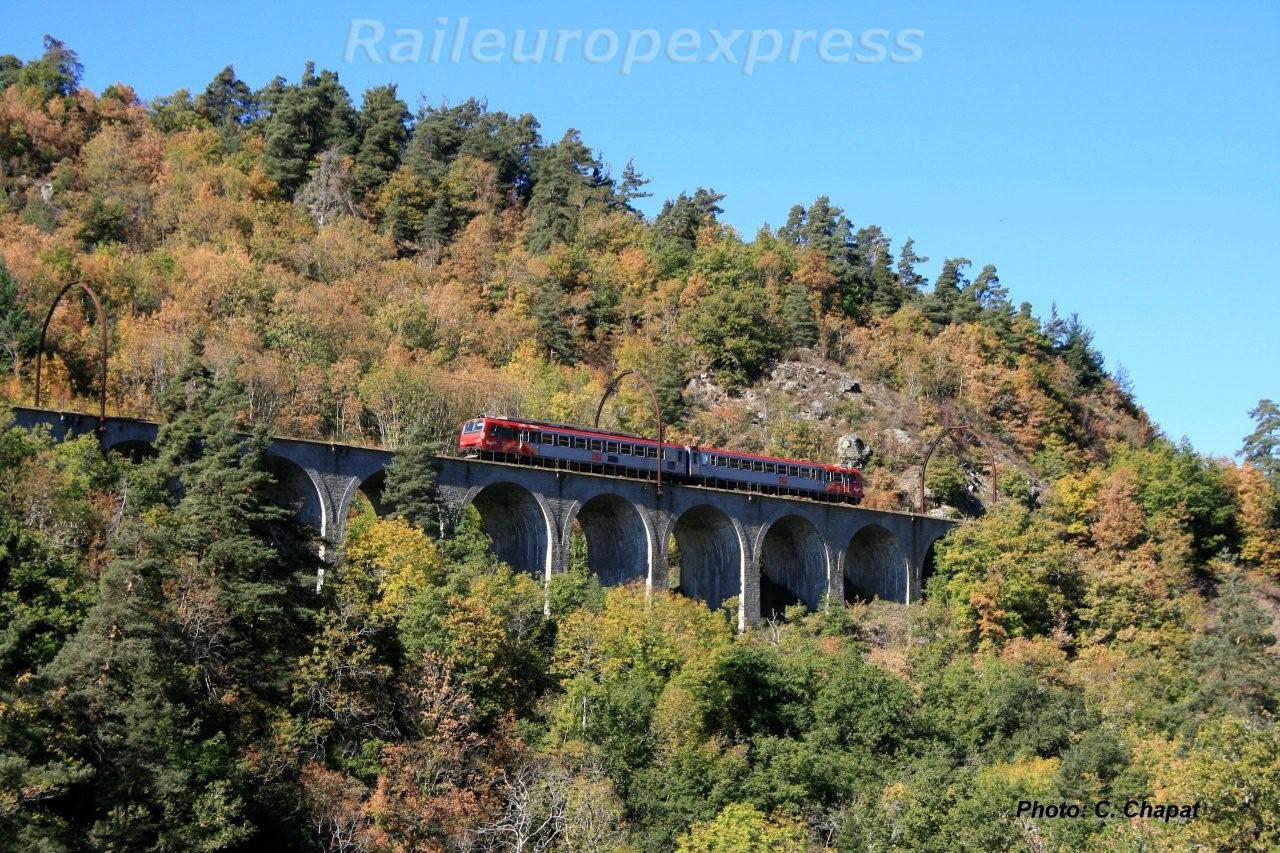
pixel 1262 446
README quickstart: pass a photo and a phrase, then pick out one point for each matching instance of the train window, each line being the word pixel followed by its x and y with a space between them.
pixel 624 449
pixel 597 445
pixel 757 466
pixel 793 471
pixel 770 468
pixel 580 443
pixel 735 463
pixel 651 452
pixel 535 437
pixel 611 446
pixel 563 440
pixel 548 438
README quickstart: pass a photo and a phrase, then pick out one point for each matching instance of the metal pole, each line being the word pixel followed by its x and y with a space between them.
pixel 657 410
pixel 102 367
pixel 934 446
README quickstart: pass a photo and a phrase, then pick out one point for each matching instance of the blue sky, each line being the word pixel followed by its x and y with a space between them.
pixel 1119 159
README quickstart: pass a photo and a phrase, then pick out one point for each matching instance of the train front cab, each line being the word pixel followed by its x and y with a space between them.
pixel 567 448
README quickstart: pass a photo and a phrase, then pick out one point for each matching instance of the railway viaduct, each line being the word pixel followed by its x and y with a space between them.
pixel 766 551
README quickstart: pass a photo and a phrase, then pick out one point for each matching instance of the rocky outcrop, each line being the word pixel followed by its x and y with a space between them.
pixel 852 451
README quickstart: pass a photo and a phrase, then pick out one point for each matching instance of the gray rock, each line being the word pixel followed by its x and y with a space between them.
pixel 852 451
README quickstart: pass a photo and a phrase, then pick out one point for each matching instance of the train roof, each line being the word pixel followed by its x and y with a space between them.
pixel 576 430
pixel 595 433
pixel 807 462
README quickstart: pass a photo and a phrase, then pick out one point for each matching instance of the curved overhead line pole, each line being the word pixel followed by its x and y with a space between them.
pixel 934 446
pixel 102 368
pixel 657 410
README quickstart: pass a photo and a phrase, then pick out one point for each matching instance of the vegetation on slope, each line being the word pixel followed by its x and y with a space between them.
pixel 281 260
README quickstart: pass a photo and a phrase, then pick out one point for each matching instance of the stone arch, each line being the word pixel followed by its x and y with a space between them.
pixel 134 450
pixel 367 489
pixel 793 565
pixel 293 488
pixel 519 525
pixel 711 555
pixel 371 489
pixel 875 567
pixel 619 540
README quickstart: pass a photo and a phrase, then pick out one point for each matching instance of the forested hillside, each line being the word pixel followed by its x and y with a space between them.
pixel 294 260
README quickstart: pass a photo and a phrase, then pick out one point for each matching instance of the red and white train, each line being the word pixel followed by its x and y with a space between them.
pixel 577 448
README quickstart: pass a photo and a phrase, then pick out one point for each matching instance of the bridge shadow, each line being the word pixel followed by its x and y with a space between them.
pixel 793 566
pixel 617 539
pixel 517 527
pixel 294 490
pixel 875 567
pixel 134 451
pixel 710 556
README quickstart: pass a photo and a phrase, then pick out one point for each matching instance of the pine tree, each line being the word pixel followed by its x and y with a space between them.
pixel 875 253
pixel 551 213
pixel 443 134
pixel 197 619
pixel 910 281
pixel 19 332
pixel 943 305
pixel 1075 345
pixel 669 382
pixel 1262 446
pixel 409 489
pixel 797 316
pixel 384 132
pixel 565 181
pixel 630 188
pixel 860 262
pixel 675 228
pixel 1234 661
pixel 986 291
pixel 553 332
pixel 10 70
pixel 227 101
pixel 313 116
pixel 437 224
